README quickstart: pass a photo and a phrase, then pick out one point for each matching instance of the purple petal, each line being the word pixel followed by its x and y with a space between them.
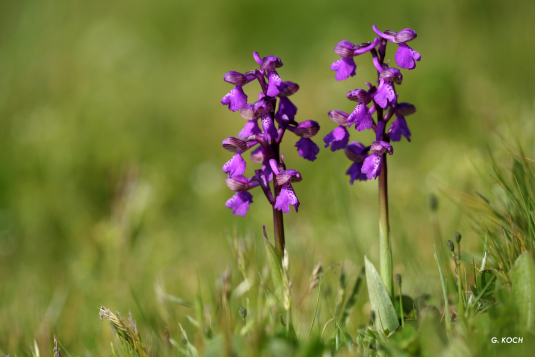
pixel 355 172
pixel 286 198
pixel 344 67
pixel 398 128
pixel 275 84
pixel 235 99
pixel 356 152
pixel 406 56
pixel 307 149
pixel 250 128
pixel 239 203
pixel 337 139
pixel 361 117
pixel 285 107
pixel 385 94
pixel 270 132
pixel 372 166
pixel 235 166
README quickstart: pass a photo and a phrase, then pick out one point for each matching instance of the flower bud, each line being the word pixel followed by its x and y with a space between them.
pixel 235 78
pixel 450 245
pixel 345 49
pixel 433 202
pixel 457 236
pixel 270 63
pixel 257 155
pixel 405 35
pixel 360 96
pixel 234 145
pixel 307 129
pixel 243 312
pixel 405 109
pixel 339 117
pixel 289 88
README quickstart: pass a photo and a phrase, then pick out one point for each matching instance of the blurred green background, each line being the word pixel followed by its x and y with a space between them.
pixel 110 133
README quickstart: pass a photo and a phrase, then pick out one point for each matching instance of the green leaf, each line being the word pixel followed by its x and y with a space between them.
pixel 275 264
pixel 523 279
pixel 385 314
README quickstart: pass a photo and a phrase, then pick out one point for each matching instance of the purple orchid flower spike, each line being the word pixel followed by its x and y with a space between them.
pixel 357 153
pixel 399 126
pixel 346 67
pixel 405 56
pixel 276 114
pixel 360 116
pixel 370 162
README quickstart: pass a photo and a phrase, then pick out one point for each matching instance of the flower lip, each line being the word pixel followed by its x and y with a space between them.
pixel 307 129
pixel 345 49
pixel 405 109
pixel 339 117
pixel 235 78
pixel 360 96
pixel 270 63
pixel 405 35
pixel 289 88
pixel 234 145
pixel 356 152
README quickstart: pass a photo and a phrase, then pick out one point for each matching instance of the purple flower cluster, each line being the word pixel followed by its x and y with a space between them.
pixel 264 140
pixel 381 100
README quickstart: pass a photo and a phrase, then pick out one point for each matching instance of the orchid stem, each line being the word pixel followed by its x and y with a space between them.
pixel 278 229
pixel 385 246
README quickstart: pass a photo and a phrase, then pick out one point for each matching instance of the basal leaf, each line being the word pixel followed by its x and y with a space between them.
pixel 523 279
pixel 385 314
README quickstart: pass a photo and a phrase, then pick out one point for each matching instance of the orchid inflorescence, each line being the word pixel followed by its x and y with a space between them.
pixel 383 99
pixel 264 142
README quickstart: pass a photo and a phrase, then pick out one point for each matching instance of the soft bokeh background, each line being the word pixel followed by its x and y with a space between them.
pixel 110 132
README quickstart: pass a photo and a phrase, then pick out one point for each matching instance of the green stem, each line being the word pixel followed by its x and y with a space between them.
pixel 385 247
pixel 278 229
pixel 460 283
